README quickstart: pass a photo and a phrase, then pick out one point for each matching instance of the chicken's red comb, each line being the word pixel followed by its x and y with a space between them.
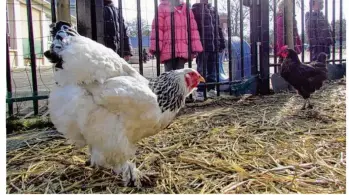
pixel 282 49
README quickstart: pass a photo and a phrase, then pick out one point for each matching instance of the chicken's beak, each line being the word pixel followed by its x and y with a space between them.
pixel 201 79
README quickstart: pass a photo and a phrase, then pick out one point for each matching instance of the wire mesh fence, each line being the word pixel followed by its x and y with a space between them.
pixel 29 73
pixel 233 43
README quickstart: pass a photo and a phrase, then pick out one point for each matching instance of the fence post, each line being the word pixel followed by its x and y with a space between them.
pixel 121 28
pixel 230 67
pixel 189 34
pixel 140 36
pixel 334 32
pixel 32 57
pixel 83 13
pixel 53 11
pixel 264 55
pixel 217 45
pixel 97 18
pixel 173 34
pixel 255 32
pixel 157 53
pixel 8 78
pixel 242 40
pixel 63 10
pixel 288 9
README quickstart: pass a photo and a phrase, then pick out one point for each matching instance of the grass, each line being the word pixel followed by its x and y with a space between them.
pixel 262 144
pixel 15 125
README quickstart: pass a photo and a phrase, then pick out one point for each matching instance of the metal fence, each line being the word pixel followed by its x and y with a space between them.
pixel 337 26
pixel 247 27
pixel 24 54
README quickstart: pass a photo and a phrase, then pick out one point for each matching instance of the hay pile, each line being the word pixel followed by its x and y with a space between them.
pixel 257 145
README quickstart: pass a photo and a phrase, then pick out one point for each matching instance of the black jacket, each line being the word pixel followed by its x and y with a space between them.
pixel 319 34
pixel 211 36
pixel 112 31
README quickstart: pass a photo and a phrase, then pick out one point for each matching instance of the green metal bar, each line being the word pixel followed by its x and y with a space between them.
pixel 32 56
pixel 23 99
pixel 8 79
pixel 8 66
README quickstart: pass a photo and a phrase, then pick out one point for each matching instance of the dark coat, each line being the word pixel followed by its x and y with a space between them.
pixel 319 34
pixel 211 35
pixel 112 30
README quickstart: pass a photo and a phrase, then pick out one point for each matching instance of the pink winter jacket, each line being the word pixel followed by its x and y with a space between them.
pixel 181 32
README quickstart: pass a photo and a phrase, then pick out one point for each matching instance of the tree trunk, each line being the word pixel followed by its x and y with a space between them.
pixel 289 19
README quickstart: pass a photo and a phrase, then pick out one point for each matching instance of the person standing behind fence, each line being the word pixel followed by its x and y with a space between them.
pixel 280 31
pixel 213 41
pixel 181 34
pixel 145 55
pixel 318 30
pixel 112 30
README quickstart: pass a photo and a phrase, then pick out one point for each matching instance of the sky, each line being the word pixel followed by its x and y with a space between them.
pixel 147 7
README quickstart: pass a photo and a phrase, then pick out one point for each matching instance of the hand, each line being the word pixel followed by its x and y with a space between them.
pixel 127 58
pixel 195 54
pixel 152 52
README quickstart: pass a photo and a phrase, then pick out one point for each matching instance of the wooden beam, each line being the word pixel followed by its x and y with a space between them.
pixel 289 19
pixel 63 10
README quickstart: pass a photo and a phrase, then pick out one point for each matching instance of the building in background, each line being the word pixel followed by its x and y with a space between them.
pixel 17 30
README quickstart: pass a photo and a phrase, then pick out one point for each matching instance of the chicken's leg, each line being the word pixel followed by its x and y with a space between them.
pixel 310 106
pixel 130 174
pixel 305 104
pixel 88 162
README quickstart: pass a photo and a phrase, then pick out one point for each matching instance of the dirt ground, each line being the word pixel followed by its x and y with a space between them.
pixel 262 144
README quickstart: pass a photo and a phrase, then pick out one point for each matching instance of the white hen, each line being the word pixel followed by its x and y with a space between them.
pixel 102 102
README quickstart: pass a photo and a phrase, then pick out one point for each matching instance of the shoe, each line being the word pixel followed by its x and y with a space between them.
pixel 198 96
pixel 212 93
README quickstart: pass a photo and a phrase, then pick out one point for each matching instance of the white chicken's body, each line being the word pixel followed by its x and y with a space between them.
pixel 97 62
pixel 102 102
pixel 111 121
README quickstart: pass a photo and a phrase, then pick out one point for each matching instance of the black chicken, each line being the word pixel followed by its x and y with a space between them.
pixel 304 78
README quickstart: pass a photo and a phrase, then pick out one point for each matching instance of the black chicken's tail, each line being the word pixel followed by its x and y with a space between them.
pixel 322 57
pixel 321 68
pixel 320 63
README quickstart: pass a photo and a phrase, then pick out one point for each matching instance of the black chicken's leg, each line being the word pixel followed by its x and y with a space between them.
pixel 304 105
pixel 310 106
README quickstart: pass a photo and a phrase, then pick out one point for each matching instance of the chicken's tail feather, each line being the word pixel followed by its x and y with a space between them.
pixel 317 81
pixel 322 57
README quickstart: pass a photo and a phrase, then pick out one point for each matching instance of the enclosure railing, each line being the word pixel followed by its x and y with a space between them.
pixel 257 14
pixel 336 55
pixel 35 95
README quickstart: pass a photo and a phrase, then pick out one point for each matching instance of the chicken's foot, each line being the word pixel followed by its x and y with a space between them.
pixel 130 174
pixel 310 106
pixel 304 105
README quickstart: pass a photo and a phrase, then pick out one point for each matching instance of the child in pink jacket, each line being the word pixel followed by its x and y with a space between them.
pixel 181 35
